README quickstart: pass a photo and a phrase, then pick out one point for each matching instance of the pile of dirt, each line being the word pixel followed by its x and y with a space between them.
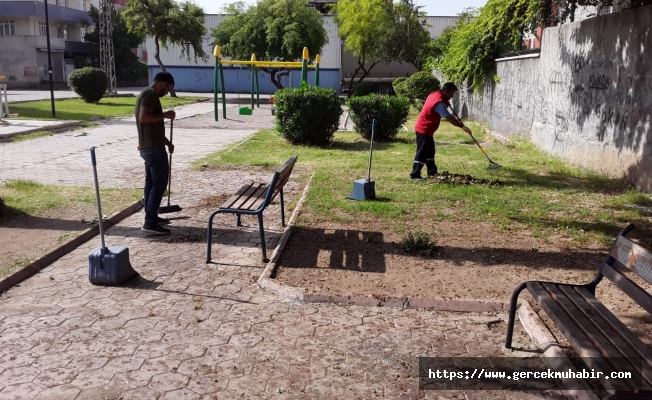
pixel 446 177
pixel 186 237
pixel 211 202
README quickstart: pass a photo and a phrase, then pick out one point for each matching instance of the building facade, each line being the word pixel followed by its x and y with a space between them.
pixel 23 44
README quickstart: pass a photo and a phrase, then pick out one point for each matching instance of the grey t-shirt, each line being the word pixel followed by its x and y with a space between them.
pixel 150 134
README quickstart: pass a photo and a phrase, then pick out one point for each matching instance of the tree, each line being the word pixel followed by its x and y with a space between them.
pixel 406 36
pixel 168 22
pixel 273 30
pixel 466 52
pixel 362 25
pixel 127 65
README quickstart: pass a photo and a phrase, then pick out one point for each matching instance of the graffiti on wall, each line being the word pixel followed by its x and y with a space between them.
pixel 30 72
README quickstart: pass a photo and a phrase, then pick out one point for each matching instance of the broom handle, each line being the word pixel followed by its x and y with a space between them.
pixel 371 148
pixel 97 195
pixel 476 142
pixel 170 166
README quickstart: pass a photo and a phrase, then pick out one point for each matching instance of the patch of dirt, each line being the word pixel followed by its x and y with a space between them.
pixel 26 238
pixel 211 202
pixel 471 260
pixel 446 177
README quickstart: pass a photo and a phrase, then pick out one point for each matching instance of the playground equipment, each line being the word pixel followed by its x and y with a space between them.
pixel 218 79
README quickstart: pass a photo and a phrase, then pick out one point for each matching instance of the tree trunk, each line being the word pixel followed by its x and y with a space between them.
pixel 160 64
pixel 276 78
pixel 365 73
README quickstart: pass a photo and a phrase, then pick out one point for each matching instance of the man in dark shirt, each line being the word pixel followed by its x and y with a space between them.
pixel 151 143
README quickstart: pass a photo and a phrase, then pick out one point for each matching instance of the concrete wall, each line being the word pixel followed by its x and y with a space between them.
pixel 587 99
pixel 18 62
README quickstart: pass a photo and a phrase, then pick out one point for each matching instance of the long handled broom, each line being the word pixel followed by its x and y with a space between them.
pixel 170 208
pixel 492 165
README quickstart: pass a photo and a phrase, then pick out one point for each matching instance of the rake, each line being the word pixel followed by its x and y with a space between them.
pixel 492 165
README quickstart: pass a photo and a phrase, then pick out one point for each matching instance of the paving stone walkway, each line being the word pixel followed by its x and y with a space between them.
pixel 185 329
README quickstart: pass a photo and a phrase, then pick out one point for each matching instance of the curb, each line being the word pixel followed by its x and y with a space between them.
pixel 67 247
pixel 554 356
pixel 51 128
pixel 298 294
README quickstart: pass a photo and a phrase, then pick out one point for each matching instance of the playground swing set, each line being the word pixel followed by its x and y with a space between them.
pixel 218 79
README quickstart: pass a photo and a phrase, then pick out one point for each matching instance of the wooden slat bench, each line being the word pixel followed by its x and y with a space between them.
pixel 252 199
pixel 595 333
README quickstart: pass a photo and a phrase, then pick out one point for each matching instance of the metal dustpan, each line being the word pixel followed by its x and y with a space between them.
pixel 365 188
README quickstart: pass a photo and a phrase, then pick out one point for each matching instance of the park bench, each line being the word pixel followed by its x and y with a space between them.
pixel 600 338
pixel 252 199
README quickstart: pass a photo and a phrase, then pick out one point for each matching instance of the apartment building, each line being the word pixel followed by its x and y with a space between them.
pixel 23 45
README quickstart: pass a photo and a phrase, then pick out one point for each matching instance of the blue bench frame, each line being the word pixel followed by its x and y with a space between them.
pixel 592 329
pixel 253 199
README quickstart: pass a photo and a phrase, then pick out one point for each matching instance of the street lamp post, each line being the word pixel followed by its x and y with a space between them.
pixel 47 36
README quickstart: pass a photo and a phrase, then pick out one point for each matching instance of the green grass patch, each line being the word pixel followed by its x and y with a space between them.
pixel 23 197
pixel 537 192
pixel 77 109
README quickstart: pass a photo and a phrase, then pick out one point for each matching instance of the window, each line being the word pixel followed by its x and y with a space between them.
pixel 42 29
pixel 82 33
pixel 59 31
pixel 82 5
pixel 63 3
pixel 65 32
pixel 7 28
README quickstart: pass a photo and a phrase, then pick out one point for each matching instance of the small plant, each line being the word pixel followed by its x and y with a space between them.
pixel 416 242
pixel 390 113
pixel 307 115
pixel 89 83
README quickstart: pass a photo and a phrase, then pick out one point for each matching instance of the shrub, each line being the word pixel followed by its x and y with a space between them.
pixel 420 85
pixel 363 89
pixel 89 83
pixel 390 113
pixel 307 115
pixel 416 242
pixel 400 86
pixel 2 208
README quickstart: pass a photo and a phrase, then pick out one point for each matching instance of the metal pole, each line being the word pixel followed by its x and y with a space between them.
pixel 253 84
pixel 257 88
pixel 371 148
pixel 97 196
pixel 47 36
pixel 216 54
pixel 223 91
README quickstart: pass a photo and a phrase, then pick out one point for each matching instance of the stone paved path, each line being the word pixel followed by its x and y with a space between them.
pixel 184 329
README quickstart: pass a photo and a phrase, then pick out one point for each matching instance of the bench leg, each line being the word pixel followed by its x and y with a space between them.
pixel 238 222
pixel 262 235
pixel 282 209
pixel 512 314
pixel 209 240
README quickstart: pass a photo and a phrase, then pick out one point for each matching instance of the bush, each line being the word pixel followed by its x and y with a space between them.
pixel 390 113
pixel 420 85
pixel 363 89
pixel 307 115
pixel 89 83
pixel 400 87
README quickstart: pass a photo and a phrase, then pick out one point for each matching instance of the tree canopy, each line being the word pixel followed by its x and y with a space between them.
pixel 465 52
pixel 168 22
pixel 377 31
pixel 273 30
pixel 127 65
